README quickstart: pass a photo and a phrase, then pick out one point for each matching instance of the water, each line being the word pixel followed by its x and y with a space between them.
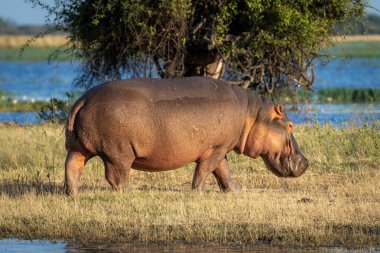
pixel 37 80
pixel 22 118
pixel 335 114
pixel 352 73
pixel 41 81
pixel 15 245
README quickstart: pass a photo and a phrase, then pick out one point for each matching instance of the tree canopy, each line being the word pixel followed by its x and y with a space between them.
pixel 269 43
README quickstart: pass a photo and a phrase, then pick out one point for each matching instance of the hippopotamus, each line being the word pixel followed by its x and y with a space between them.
pixel 162 124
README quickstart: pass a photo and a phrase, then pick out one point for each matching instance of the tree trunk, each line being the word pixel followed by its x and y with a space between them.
pixel 205 63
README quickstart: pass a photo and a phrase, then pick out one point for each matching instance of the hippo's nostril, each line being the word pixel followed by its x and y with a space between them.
pixel 300 167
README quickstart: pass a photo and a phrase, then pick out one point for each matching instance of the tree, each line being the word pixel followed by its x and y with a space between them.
pixel 367 24
pixel 269 43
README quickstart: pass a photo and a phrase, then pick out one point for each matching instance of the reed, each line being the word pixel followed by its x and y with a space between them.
pixel 18 41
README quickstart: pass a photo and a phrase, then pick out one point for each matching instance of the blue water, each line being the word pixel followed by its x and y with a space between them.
pixel 37 80
pixel 348 73
pixel 336 114
pixel 36 246
pixel 23 118
pixel 41 81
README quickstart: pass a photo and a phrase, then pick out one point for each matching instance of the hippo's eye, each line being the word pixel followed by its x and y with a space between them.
pixel 276 122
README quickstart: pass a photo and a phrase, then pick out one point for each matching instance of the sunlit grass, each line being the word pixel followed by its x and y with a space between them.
pixel 335 203
pixel 366 46
pixel 353 49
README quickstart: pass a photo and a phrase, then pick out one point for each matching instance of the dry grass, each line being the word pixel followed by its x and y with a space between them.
pixel 336 203
pixel 17 41
pixel 356 38
pixel 54 41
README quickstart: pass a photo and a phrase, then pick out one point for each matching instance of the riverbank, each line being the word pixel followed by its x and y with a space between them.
pixel 359 46
pixel 336 202
pixel 11 103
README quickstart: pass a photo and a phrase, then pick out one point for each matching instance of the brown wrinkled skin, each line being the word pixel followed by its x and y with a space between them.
pixel 156 125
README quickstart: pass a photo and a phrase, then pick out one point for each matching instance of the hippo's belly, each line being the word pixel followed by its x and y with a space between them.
pixel 172 152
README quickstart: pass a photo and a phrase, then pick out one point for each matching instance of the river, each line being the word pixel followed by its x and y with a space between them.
pixel 41 81
pixel 16 245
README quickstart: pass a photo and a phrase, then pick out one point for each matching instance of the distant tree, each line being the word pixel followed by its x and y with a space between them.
pixel 9 27
pixel 269 43
pixel 365 24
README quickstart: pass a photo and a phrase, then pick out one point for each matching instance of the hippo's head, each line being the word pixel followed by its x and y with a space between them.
pixel 271 138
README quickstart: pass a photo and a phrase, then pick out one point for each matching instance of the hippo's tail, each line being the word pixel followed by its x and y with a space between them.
pixel 73 113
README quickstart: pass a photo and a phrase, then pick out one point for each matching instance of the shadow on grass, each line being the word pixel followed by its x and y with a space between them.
pixel 15 188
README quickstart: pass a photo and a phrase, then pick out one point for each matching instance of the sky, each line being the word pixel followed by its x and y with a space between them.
pixel 21 11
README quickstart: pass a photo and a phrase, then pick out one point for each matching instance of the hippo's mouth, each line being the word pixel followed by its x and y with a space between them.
pixel 291 166
pixel 279 167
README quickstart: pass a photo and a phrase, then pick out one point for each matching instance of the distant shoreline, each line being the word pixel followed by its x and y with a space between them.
pixel 54 41
pixel 18 41
pixel 358 46
pixel 355 38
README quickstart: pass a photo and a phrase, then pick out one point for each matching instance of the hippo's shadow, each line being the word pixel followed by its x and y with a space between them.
pixel 16 188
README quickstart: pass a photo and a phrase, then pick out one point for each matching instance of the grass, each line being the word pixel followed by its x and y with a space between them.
pixel 353 49
pixel 8 103
pixel 38 50
pixel 362 46
pixel 31 54
pixel 336 202
pixel 18 41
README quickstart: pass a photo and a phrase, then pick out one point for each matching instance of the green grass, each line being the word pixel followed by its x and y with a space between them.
pixel 30 54
pixel 335 203
pixel 332 95
pixel 354 49
pixel 350 49
pixel 22 106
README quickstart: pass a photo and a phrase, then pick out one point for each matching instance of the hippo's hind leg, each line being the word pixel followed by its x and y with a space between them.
pixel 75 162
pixel 223 176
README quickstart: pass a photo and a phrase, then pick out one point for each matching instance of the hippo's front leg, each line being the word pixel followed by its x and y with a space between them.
pixel 217 164
pixel 223 176
pixel 117 174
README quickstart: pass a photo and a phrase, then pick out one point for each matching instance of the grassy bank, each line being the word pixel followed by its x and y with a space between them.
pixel 8 102
pixel 353 49
pixel 12 105
pixel 336 203
pixel 363 46
pixel 38 50
pixel 31 54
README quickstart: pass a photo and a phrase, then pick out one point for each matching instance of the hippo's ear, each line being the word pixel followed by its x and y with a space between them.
pixel 278 111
